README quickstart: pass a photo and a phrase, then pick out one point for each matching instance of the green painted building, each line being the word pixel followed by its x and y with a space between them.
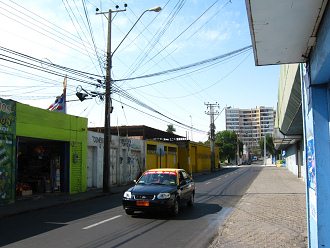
pixel 41 152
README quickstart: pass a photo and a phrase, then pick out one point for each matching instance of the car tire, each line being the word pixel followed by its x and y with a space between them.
pixel 175 208
pixel 129 212
pixel 190 203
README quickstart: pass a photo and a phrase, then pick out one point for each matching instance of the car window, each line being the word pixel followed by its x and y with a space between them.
pixel 181 177
pixel 166 178
pixel 186 175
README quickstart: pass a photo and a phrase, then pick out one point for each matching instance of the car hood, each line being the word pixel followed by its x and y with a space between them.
pixel 152 189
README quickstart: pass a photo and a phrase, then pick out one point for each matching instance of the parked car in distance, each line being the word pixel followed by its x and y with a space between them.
pixel 254 158
pixel 160 189
pixel 246 162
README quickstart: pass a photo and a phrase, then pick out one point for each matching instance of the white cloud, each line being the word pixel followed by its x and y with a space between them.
pixel 213 35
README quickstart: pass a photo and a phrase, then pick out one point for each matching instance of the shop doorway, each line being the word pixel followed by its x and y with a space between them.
pixel 42 166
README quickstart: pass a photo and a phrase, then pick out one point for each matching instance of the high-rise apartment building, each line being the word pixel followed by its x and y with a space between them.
pixel 250 124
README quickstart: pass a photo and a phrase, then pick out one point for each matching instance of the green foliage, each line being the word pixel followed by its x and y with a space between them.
pixel 170 128
pixel 227 143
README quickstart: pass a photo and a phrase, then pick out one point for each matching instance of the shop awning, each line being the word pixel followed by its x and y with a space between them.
pixel 283 31
pixel 289 106
pixel 281 141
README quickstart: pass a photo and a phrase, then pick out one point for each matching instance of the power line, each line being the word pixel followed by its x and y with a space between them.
pixel 56 69
pixel 73 23
pixel 91 33
pixel 190 65
pixel 43 31
pixel 216 13
pixel 156 38
pixel 183 126
pixel 188 27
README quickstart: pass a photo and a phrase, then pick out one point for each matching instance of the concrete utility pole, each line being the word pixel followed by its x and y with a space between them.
pixel 237 148
pixel 108 106
pixel 108 102
pixel 211 112
pixel 191 128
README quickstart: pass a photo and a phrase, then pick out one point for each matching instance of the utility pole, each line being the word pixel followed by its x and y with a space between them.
pixel 108 102
pixel 108 105
pixel 237 148
pixel 191 128
pixel 211 112
pixel 264 149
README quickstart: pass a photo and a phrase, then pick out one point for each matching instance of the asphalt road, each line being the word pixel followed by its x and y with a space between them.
pixel 102 222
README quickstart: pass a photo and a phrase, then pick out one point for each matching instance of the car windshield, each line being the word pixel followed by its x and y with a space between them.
pixel 162 178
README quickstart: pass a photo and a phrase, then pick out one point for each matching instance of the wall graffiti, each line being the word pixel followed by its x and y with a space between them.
pixel 5 171
pixel 7 144
pixel 130 159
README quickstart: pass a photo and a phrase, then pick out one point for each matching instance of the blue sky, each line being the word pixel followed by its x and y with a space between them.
pixel 183 33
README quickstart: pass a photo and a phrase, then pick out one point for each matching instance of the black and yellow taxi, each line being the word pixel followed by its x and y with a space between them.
pixel 164 189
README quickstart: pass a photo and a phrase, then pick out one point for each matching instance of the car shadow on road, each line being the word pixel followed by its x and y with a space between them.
pixel 199 210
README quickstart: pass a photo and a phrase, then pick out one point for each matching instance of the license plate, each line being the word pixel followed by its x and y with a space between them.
pixel 142 203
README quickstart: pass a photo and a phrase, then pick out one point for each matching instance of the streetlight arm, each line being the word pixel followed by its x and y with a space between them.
pixel 156 9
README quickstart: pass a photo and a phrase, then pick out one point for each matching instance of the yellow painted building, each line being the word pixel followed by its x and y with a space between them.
pixel 195 157
pixel 161 155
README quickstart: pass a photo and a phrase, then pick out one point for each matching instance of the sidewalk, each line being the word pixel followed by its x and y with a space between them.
pixel 50 200
pixel 272 213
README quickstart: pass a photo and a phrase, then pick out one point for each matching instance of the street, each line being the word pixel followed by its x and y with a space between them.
pixel 102 222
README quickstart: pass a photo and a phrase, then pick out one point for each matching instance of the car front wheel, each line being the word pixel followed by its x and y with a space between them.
pixel 175 208
pixel 129 212
pixel 190 203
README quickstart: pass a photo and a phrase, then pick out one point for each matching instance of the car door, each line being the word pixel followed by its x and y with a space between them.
pixel 185 185
pixel 190 184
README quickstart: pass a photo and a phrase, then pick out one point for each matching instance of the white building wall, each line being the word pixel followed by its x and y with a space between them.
pixel 131 160
pixel 291 161
pixel 95 160
pixel 127 158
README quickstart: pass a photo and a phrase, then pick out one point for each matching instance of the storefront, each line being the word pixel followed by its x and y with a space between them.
pixel 41 166
pixel 40 152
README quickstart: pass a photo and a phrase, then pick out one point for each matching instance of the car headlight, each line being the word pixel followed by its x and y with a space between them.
pixel 127 195
pixel 163 196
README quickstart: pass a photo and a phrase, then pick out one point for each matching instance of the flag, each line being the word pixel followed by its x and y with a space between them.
pixel 59 104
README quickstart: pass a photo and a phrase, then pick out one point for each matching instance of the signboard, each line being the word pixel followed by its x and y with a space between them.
pixel 160 150
pixel 310 159
pixel 7 146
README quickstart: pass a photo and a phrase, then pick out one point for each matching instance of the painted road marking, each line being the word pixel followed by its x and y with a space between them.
pixel 56 223
pixel 101 222
pixel 208 182
pixel 218 179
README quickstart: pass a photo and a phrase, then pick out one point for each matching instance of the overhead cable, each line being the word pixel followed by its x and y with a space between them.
pixel 188 66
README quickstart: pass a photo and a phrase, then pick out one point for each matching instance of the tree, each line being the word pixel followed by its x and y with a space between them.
pixel 269 144
pixel 170 128
pixel 227 143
